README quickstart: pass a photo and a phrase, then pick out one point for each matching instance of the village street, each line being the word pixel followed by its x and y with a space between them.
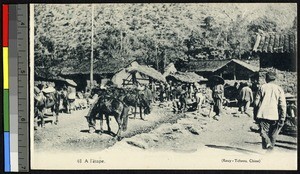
pixel 130 54
pixel 162 130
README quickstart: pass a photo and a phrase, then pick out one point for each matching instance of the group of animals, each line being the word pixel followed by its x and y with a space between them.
pixel 116 102
pixel 112 101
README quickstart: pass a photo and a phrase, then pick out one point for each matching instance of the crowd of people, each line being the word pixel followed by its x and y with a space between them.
pixel 192 96
pixel 268 101
pixel 50 100
pixel 182 95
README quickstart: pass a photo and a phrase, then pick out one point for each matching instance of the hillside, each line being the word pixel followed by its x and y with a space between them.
pixel 150 32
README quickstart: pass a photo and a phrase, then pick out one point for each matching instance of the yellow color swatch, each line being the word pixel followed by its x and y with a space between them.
pixel 5 67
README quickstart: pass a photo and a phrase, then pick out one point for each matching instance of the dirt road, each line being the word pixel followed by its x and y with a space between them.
pixel 71 133
pixel 195 131
pixel 165 140
pixel 162 130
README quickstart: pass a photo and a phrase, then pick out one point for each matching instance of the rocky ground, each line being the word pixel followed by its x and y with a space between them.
pixel 162 131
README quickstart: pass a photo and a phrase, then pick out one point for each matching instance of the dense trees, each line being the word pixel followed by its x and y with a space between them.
pixel 153 33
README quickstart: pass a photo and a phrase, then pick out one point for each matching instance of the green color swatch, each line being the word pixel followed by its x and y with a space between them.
pixel 6 109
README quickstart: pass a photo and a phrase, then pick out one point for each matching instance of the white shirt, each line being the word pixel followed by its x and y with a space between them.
pixel 270 99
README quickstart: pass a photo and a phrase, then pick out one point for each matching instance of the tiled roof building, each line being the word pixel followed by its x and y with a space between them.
pixel 276 50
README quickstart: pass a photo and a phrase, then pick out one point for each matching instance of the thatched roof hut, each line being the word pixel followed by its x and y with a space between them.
pixel 232 69
pixel 147 71
pixel 187 77
pixel 203 65
pixel 80 72
pixel 41 74
pixel 100 68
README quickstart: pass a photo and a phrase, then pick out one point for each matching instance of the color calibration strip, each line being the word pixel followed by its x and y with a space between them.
pixel 13 87
pixel 5 11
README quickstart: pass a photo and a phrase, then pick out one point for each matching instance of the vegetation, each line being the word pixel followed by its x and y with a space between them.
pixel 155 34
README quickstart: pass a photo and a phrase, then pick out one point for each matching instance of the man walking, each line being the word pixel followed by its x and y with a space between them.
pixel 218 94
pixel 147 98
pixel 200 98
pixel 271 113
pixel 246 98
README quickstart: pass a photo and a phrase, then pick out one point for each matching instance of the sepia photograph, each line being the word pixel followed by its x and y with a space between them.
pixel 163 86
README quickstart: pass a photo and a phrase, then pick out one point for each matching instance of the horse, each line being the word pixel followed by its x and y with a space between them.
pixel 108 105
pixel 47 105
pixel 136 99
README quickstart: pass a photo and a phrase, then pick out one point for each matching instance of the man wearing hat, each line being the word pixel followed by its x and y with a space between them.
pixel 271 114
pixel 51 103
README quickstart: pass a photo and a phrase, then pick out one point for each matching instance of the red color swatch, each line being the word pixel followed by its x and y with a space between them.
pixel 5 25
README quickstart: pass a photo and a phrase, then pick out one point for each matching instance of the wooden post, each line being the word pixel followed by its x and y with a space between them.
pixel 234 71
pixel 165 60
pixel 134 81
pixel 121 40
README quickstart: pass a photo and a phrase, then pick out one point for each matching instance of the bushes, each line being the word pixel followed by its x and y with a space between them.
pixel 284 79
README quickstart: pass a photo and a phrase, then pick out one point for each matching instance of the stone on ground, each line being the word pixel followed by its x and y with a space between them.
pixel 193 130
pixel 137 143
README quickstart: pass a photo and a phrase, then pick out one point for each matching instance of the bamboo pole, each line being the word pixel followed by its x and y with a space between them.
pixel 92 53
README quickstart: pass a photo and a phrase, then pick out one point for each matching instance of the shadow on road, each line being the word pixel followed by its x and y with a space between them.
pixel 286 142
pixel 286 147
pixel 287 133
pixel 85 131
pixel 278 145
pixel 98 132
pixel 237 149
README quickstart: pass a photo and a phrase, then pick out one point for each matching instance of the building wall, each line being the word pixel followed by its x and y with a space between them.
pixel 228 72
pixel 234 71
pixel 280 61
pixel 82 80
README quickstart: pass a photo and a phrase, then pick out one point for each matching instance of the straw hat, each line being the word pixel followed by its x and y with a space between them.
pixel 49 90
pixel 71 82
